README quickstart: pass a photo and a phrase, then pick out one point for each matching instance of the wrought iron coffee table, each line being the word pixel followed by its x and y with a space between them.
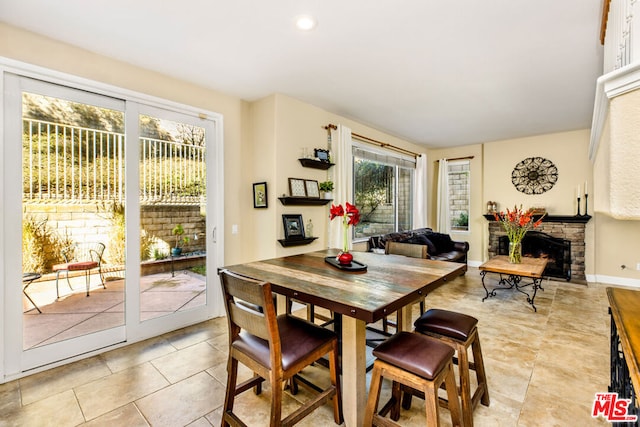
pixel 511 275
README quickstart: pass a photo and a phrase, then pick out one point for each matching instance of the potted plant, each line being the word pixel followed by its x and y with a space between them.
pixel 326 187
pixel 178 231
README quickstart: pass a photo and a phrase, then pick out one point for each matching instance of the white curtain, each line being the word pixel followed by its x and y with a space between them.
pixel 420 218
pixel 443 196
pixel 341 154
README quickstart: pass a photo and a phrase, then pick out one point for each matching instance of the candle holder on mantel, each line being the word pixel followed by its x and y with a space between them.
pixel 579 214
pixel 586 197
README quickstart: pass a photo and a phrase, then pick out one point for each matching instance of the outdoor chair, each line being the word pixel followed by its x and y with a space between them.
pixel 274 348
pixel 85 256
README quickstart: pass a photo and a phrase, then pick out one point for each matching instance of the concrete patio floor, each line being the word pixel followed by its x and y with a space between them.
pixel 74 314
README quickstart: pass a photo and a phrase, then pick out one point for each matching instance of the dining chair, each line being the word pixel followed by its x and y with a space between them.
pixel 275 348
pixel 409 250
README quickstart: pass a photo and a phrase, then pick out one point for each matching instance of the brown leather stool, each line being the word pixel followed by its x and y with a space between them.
pixel 460 332
pixel 416 361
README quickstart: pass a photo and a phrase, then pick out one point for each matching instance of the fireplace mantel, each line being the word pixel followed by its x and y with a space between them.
pixel 575 219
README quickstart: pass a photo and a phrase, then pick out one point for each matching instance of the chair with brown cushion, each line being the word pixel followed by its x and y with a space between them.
pixel 460 332
pixel 417 362
pixel 274 348
pixel 85 256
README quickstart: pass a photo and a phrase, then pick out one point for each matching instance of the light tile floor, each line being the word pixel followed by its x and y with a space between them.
pixel 543 369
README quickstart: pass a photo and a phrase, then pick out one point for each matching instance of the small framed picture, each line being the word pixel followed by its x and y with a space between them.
pixel 320 154
pixel 297 188
pixel 260 195
pixel 312 188
pixel 293 227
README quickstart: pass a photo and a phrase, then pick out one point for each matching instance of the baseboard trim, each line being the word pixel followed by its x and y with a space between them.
pixel 613 280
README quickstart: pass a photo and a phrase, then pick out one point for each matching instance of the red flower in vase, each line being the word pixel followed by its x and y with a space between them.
pixel 350 216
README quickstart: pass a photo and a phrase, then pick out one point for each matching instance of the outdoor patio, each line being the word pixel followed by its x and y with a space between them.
pixel 75 314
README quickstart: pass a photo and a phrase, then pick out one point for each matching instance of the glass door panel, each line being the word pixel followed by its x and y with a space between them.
pixel 173 216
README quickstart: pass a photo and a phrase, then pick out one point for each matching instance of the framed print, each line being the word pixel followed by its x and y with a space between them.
pixel 293 227
pixel 322 155
pixel 296 187
pixel 312 188
pixel 260 195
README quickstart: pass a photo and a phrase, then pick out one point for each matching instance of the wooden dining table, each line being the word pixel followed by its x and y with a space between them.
pixel 388 284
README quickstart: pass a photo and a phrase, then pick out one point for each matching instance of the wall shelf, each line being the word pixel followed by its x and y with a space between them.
pixel 304 201
pixel 315 164
pixel 296 242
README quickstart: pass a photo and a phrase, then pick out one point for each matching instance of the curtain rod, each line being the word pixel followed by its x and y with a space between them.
pixel 373 141
pixel 457 158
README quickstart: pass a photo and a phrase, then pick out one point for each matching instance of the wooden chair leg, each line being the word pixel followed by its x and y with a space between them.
pixel 276 402
pixel 431 405
pixel 374 394
pixel 335 381
pixel 481 374
pixel 465 386
pixel 232 379
pixel 452 396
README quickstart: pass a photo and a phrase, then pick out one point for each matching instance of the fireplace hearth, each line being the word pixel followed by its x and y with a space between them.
pixel 540 245
pixel 568 232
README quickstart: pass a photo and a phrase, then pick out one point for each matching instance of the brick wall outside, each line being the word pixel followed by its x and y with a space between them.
pixel 92 222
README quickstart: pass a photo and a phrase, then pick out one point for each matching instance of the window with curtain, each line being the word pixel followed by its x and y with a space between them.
pixel 383 184
pixel 459 194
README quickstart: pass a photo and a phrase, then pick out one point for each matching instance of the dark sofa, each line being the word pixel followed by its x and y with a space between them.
pixel 440 246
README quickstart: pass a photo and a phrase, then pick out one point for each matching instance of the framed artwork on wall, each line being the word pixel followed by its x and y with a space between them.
pixel 312 188
pixel 297 188
pixel 260 195
pixel 293 227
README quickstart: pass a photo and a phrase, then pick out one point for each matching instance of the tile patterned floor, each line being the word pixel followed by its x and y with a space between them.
pixel 543 370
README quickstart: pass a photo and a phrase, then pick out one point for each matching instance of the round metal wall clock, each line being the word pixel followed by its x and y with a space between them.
pixel 534 175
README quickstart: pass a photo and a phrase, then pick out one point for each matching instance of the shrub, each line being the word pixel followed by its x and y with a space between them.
pixel 41 247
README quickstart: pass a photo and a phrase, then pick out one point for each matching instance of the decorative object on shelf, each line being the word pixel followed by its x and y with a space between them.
pixel 492 207
pixel 313 191
pixel 326 187
pixel 534 175
pixel 260 195
pixel 516 223
pixel 350 216
pixel 586 197
pixel 322 155
pixel 309 229
pixel 293 227
pixel 297 188
pixel 178 231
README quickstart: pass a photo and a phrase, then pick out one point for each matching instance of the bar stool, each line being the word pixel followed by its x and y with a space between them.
pixel 415 361
pixel 460 332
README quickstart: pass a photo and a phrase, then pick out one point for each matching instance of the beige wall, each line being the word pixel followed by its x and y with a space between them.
pixel 616 176
pixel 264 139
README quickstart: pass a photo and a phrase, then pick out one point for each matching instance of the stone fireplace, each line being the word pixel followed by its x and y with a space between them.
pixel 558 237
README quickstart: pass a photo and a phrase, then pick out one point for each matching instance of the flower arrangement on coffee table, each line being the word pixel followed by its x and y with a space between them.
pixel 516 224
pixel 350 216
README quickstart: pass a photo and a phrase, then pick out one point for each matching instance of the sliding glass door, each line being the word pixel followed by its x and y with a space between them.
pixel 110 230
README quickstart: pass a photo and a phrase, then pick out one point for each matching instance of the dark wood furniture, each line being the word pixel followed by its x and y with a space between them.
pixel 625 346
pixel 389 284
pixel 275 348
pixel 511 275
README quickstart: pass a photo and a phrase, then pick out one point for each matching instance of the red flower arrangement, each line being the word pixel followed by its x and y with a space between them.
pixel 350 216
pixel 516 223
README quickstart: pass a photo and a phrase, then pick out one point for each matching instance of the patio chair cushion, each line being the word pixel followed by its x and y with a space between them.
pixel 76 266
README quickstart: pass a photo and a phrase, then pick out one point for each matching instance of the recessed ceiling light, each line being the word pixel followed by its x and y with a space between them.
pixel 306 22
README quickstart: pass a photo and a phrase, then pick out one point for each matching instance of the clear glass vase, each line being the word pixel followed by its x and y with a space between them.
pixel 515 252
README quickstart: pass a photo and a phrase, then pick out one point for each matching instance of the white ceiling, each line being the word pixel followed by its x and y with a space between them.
pixel 439 73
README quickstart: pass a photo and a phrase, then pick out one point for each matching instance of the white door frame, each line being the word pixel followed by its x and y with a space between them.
pixel 14 363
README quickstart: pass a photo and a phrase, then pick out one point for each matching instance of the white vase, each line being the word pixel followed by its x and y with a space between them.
pixel 328 195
